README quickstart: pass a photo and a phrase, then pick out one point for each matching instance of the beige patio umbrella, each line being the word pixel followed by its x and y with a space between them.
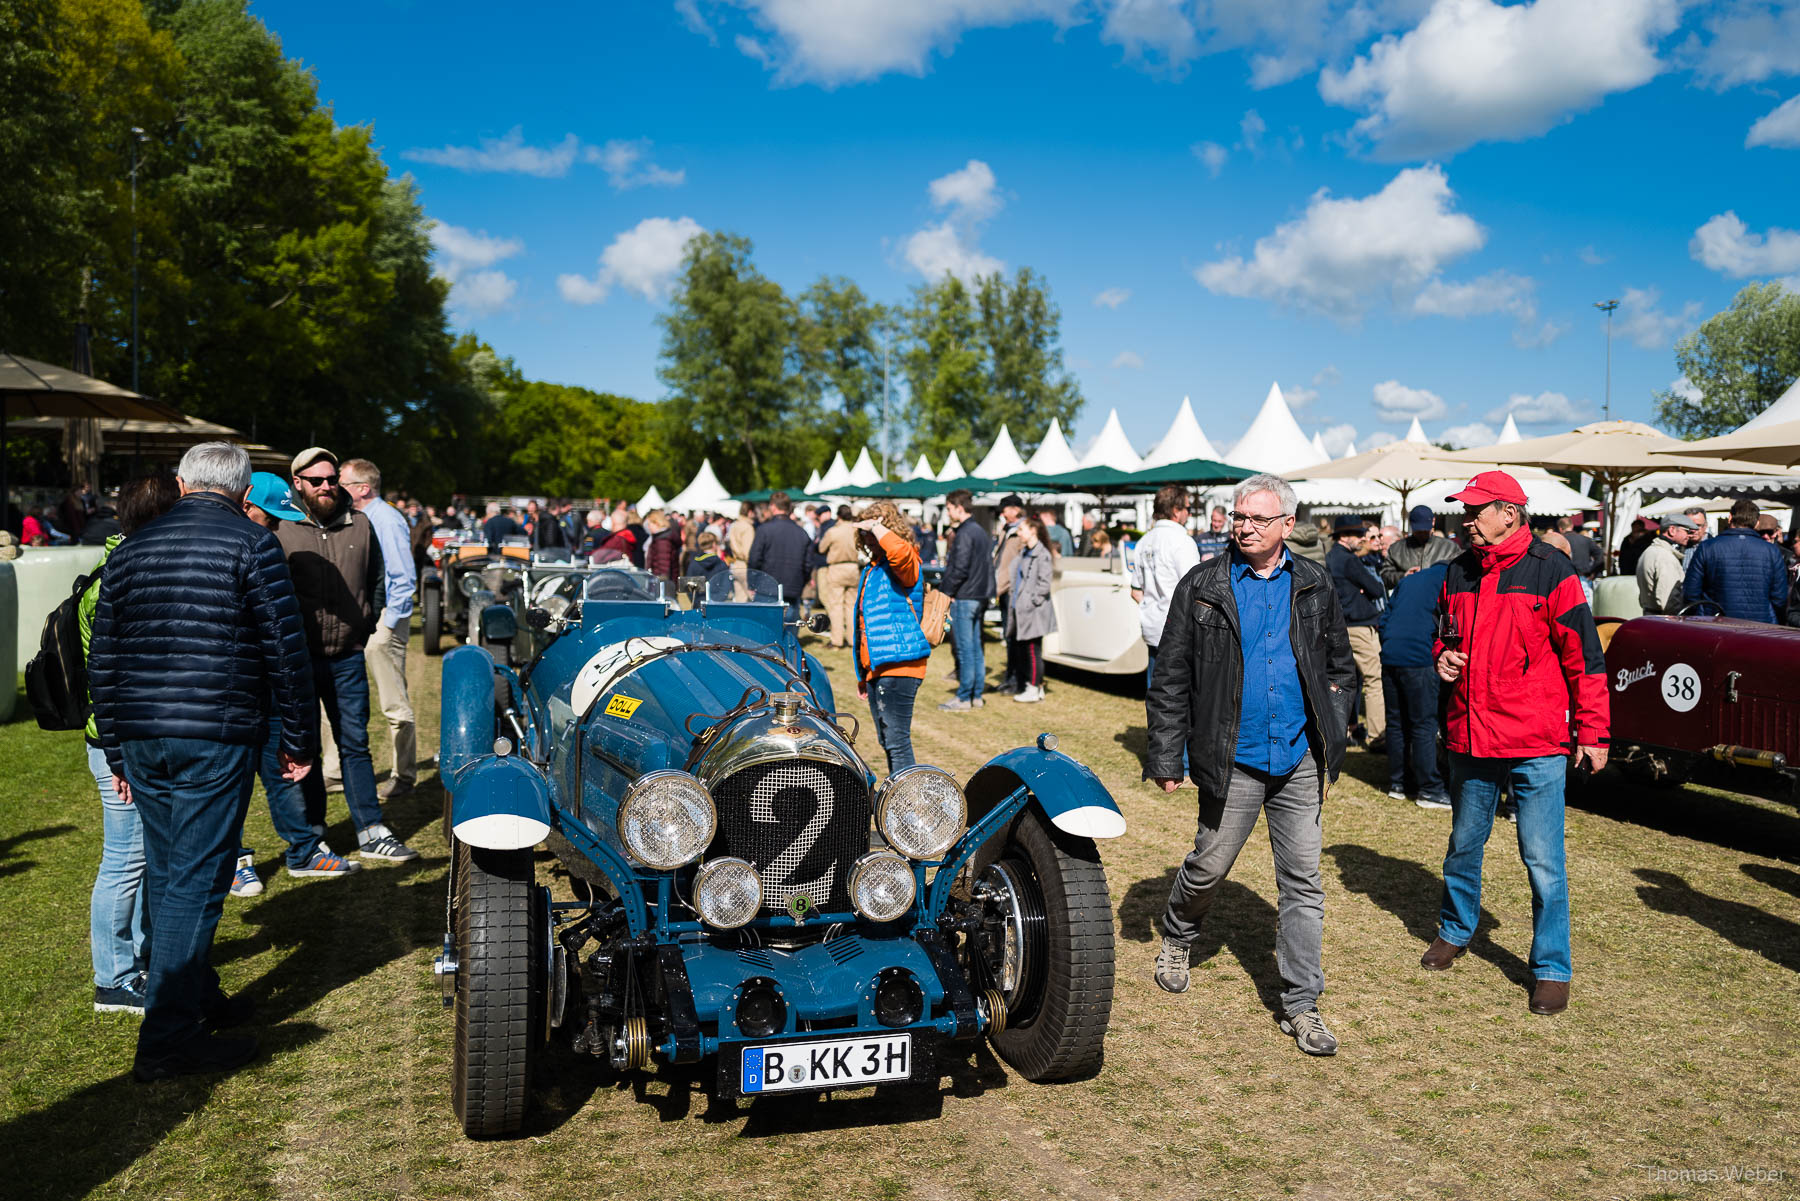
pixel 1613 452
pixel 1775 445
pixel 1403 466
pixel 162 438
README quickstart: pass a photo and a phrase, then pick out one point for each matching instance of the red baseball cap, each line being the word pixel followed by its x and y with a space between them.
pixel 1489 487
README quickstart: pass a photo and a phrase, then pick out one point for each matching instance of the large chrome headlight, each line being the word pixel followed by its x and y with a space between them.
pixel 882 886
pixel 667 819
pixel 727 892
pixel 921 812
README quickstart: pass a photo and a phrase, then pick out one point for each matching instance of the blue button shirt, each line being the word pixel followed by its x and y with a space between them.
pixel 1272 716
pixel 396 558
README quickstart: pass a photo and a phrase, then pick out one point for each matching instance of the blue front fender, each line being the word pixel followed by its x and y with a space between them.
pixel 1069 793
pixel 500 803
pixel 466 718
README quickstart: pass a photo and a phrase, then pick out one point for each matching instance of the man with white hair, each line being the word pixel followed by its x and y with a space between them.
pixel 195 628
pixel 1252 678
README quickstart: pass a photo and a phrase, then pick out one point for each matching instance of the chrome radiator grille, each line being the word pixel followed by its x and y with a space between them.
pixel 801 823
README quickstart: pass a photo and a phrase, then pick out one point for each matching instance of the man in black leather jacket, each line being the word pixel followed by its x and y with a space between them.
pixel 1252 678
pixel 779 551
pixel 195 627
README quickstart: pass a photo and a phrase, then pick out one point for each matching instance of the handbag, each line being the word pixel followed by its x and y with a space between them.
pixel 936 618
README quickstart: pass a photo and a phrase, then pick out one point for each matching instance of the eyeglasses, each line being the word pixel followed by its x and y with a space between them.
pixel 356 483
pixel 1254 521
pixel 318 481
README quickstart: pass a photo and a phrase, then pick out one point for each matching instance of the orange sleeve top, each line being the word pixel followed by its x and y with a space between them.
pixel 903 565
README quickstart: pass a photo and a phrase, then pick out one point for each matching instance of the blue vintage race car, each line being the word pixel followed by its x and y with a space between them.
pixel 744 893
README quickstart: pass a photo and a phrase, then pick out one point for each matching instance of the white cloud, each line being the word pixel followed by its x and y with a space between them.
pixel 1477 70
pixel 1152 31
pixel 1646 325
pixel 1128 359
pixel 1298 396
pixel 1395 401
pixel 1112 298
pixel 1212 154
pixel 1684 388
pixel 1327 375
pixel 1542 409
pixel 1476 433
pixel 1343 252
pixel 1780 127
pixel 1252 127
pixel 1337 438
pixel 1750 41
pixel 465 258
pixel 843 41
pixel 627 166
pixel 1378 438
pixel 689 12
pixel 1525 337
pixel 951 247
pixel 1496 292
pixel 644 259
pixel 1726 245
pixel 623 161
pixel 1592 257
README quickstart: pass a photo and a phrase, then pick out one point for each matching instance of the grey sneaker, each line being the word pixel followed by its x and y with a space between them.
pixel 954 705
pixel 389 848
pixel 1309 1032
pixel 1432 802
pixel 1172 966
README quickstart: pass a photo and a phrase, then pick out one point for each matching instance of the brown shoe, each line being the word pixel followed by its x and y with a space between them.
pixel 1440 955
pixel 1550 996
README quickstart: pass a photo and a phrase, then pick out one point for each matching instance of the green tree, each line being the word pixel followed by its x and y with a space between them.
pixel 842 334
pixel 946 372
pixel 1740 360
pixel 732 360
pixel 1028 385
pixel 568 441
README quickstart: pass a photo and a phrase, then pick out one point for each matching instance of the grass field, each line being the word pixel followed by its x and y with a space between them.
pixel 1674 1069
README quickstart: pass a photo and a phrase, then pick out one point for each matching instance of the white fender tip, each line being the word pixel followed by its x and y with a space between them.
pixel 1090 821
pixel 501 832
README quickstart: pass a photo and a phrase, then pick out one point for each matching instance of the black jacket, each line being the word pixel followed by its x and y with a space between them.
pixel 969 568
pixel 195 628
pixel 1358 588
pixel 1196 693
pixel 779 552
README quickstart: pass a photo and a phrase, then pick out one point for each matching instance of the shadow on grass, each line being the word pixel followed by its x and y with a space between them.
pixel 1239 921
pixel 1688 813
pixel 1774 938
pixel 1775 877
pixel 10 866
pixel 115 1121
pixel 1412 894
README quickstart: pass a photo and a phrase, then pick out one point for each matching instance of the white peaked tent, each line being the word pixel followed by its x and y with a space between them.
pixel 1185 440
pixel 1112 448
pixel 1416 432
pixel 1318 444
pixel 1785 408
pixel 812 483
pixel 864 472
pixel 703 493
pixel 1349 450
pixel 1274 442
pixel 1002 458
pixel 1053 456
pixel 953 468
pixel 650 500
pixel 922 470
pixel 836 476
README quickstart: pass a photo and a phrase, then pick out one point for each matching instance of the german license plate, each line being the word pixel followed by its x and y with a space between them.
pixel 837 1063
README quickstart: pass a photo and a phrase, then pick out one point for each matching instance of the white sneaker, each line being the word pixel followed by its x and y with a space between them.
pixel 1030 694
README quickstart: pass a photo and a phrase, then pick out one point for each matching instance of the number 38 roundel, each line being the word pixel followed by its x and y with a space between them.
pixel 1680 687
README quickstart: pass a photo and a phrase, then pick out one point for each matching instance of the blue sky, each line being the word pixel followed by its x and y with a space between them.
pixel 1391 207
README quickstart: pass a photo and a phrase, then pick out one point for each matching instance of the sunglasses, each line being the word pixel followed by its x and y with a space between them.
pixel 318 481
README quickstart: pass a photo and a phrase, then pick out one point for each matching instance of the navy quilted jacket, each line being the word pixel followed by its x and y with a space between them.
pixel 1741 573
pixel 196 629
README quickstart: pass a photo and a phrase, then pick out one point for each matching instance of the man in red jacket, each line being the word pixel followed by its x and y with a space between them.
pixel 1517 645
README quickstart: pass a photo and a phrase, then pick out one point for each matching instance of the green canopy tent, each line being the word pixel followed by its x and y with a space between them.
pixel 759 495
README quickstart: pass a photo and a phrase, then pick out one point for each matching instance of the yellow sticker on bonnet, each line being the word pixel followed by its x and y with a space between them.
pixel 622 706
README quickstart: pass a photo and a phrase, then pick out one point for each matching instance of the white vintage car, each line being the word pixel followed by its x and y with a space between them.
pixel 1097 625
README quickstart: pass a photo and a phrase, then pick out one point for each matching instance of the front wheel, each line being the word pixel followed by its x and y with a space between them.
pixel 500 926
pixel 1045 943
pixel 432 608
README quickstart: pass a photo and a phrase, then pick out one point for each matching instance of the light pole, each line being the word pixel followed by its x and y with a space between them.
pixel 1607 307
pixel 886 433
pixel 137 138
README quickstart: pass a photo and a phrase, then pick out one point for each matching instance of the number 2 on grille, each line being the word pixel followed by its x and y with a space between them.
pixel 805 776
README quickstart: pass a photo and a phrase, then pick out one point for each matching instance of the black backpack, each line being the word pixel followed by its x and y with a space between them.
pixel 56 681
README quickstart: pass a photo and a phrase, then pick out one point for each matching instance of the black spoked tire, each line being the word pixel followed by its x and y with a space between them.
pixel 1058 976
pixel 500 940
pixel 432 610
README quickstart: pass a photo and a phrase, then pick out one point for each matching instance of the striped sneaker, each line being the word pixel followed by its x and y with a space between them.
pixel 387 847
pixel 127 999
pixel 324 863
pixel 245 882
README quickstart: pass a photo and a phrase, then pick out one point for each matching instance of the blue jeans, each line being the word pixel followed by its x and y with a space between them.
pixel 1537 789
pixel 191 794
pixel 343 686
pixel 965 630
pixel 300 827
pixel 116 918
pixel 891 709
pixel 1412 730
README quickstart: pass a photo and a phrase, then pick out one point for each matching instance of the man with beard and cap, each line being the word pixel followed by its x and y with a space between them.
pixel 340 579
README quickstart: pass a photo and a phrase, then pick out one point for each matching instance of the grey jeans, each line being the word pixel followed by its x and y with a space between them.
pixel 1295 835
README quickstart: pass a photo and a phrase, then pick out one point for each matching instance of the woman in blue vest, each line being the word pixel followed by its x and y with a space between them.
pixel 890 646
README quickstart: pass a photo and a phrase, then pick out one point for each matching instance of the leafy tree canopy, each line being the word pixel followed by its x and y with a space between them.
pixel 1740 360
